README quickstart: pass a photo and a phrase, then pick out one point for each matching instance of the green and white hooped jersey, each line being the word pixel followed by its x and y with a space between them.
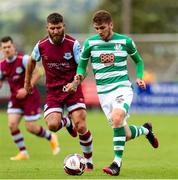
pixel 109 60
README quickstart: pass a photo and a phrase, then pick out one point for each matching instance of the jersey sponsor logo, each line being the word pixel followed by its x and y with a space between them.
pixel 107 59
pixel 19 70
pixel 119 99
pixel 67 55
pixel 58 66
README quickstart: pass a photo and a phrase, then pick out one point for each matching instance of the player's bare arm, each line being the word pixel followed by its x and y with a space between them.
pixel 1 83
pixel 22 92
pixel 35 75
pixel 28 75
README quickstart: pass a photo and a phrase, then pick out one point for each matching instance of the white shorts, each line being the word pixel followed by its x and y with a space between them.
pixel 120 98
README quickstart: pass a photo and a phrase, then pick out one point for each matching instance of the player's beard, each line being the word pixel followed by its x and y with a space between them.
pixel 57 39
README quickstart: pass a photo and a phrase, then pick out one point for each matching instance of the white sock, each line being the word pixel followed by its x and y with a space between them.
pixel 89 160
pixel 118 161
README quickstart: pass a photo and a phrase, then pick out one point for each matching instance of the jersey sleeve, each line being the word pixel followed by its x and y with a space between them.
pixel 85 55
pixel 36 53
pixel 77 51
pixel 131 47
pixel 25 60
pixel 139 64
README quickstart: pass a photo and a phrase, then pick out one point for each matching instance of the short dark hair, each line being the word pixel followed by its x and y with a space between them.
pixel 6 39
pixel 55 18
pixel 102 16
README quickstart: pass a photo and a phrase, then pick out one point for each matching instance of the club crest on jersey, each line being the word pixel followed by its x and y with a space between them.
pixel 19 70
pixel 117 47
pixel 67 56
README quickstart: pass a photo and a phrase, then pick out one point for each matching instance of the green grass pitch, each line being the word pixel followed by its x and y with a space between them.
pixel 140 160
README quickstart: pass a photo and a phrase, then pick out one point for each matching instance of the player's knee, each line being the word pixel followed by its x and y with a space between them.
pixel 117 119
pixel 53 122
pixel 81 127
pixel 13 126
pixel 80 121
pixel 53 126
pixel 30 129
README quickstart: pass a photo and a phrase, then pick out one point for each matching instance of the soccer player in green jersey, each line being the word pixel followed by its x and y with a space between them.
pixel 108 52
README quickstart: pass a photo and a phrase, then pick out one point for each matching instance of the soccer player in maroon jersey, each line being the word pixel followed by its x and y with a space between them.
pixel 60 56
pixel 12 69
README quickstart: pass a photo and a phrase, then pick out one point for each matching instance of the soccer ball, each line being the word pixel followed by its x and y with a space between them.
pixel 74 164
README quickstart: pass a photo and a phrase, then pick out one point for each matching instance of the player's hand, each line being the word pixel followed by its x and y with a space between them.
pixel 21 93
pixel 78 78
pixel 141 83
pixel 71 87
pixel 28 87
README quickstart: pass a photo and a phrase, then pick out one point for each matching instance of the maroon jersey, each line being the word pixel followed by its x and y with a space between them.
pixel 60 64
pixel 58 61
pixel 14 72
